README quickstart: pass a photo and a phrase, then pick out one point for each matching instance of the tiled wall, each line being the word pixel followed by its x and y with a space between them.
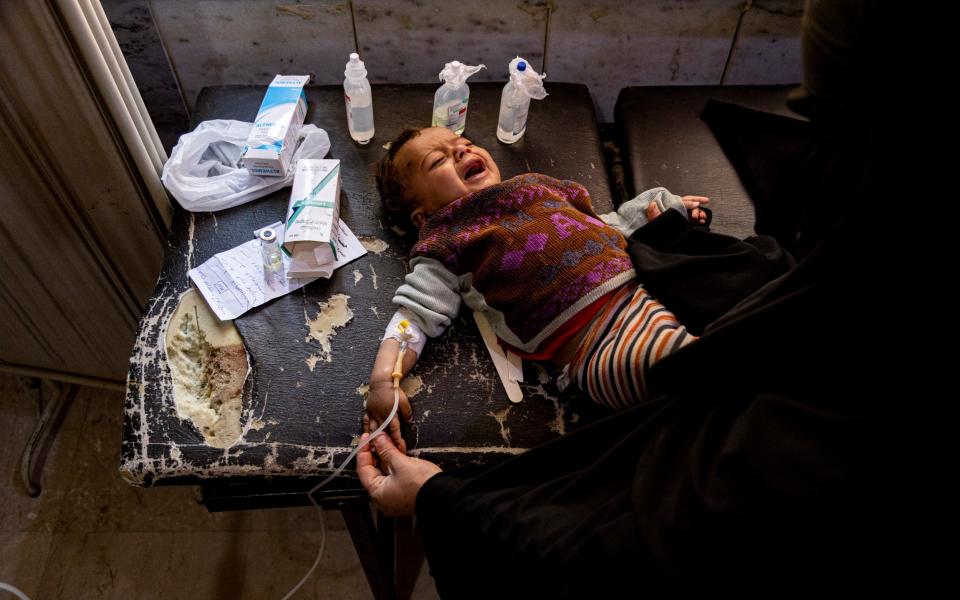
pixel 409 42
pixel 767 46
pixel 176 47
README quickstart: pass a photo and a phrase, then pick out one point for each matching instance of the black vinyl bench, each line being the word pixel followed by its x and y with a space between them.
pixel 664 142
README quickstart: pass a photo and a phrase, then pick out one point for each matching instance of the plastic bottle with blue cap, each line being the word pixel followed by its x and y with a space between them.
pixel 450 101
pixel 359 100
pixel 524 84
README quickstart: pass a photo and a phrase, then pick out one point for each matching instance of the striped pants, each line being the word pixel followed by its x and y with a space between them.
pixel 630 334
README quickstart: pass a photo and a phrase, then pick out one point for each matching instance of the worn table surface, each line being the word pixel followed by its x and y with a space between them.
pixel 303 421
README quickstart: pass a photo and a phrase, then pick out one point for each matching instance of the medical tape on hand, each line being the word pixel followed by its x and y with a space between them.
pixel 414 337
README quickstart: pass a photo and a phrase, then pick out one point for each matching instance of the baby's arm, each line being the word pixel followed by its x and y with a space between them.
pixel 432 293
pixel 634 214
pixel 380 397
pixel 429 300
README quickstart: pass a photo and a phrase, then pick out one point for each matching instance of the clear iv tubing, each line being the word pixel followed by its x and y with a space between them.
pixel 16 592
pixel 323 531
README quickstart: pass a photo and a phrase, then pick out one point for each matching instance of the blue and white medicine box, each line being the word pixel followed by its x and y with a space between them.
pixel 272 140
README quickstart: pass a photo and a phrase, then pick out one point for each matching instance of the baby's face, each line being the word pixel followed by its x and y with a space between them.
pixel 439 166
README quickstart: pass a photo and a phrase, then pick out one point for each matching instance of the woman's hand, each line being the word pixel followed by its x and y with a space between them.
pixel 393 486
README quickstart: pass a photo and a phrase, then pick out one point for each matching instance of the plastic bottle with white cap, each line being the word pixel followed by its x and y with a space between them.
pixel 450 101
pixel 359 100
pixel 524 84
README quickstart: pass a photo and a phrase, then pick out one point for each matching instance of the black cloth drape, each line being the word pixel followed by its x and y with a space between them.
pixel 698 274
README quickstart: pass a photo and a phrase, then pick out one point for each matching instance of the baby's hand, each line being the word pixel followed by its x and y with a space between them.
pixel 379 405
pixel 693 207
pixel 692 204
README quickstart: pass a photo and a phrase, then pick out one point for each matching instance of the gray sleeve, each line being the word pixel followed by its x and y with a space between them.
pixel 632 215
pixel 431 293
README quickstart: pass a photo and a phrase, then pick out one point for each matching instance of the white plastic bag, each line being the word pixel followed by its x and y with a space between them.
pixel 203 171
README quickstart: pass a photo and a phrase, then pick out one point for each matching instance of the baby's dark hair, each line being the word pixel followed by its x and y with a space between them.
pixel 397 203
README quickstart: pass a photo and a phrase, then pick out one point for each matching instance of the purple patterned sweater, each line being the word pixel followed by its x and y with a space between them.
pixel 529 252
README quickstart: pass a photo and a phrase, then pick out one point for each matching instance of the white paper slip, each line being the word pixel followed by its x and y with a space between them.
pixel 234 281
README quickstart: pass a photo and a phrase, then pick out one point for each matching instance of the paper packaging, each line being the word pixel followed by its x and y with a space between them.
pixel 273 137
pixel 312 217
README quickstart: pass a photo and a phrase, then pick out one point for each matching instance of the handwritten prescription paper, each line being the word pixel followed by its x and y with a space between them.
pixel 235 281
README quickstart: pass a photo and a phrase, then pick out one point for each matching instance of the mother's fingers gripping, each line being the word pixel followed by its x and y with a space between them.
pixel 394 430
pixel 370 476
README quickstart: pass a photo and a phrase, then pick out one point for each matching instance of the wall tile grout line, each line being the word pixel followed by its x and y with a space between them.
pixel 748 4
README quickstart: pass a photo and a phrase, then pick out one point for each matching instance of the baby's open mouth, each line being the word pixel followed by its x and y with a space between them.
pixel 475 170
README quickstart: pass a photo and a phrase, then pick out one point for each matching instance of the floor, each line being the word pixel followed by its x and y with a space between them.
pixel 91 535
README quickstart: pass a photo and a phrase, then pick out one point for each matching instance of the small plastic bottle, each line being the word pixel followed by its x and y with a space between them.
pixel 270 251
pixel 450 101
pixel 359 100
pixel 524 84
